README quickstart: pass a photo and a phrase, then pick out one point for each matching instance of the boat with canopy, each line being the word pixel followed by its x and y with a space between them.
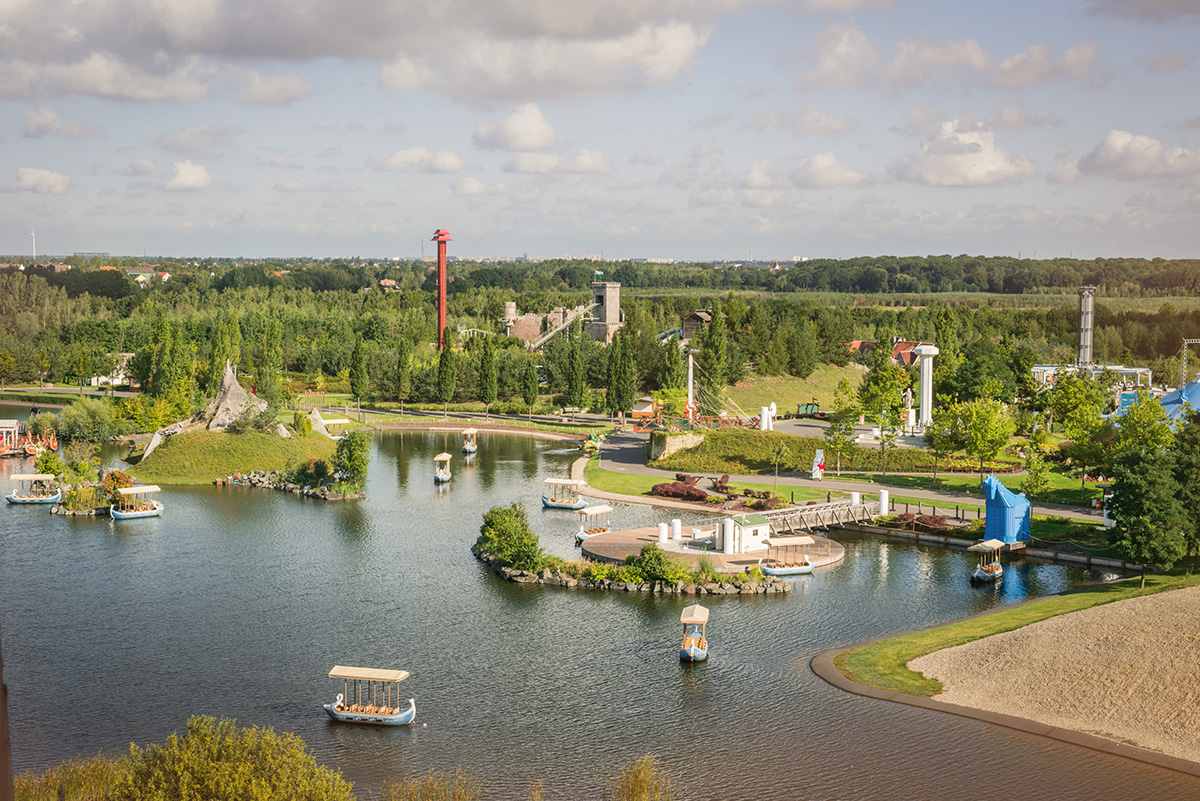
pixel 563 493
pixel 592 521
pixel 695 647
pixel 989 567
pixel 788 556
pixel 469 443
pixel 341 434
pixel 370 695
pixel 34 488
pixel 135 502
pixel 441 468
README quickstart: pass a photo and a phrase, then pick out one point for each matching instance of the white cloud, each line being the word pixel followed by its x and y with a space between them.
pixel 1014 117
pixel 845 6
pixel 524 129
pixel 842 56
pixel 824 171
pixel 763 175
pixel 339 188
pixel 703 149
pixel 187 176
pixel 807 120
pixel 1037 66
pixel 44 120
pixel 137 168
pixel 282 162
pixel 1165 59
pixel 919 60
pixel 644 157
pixel 43 182
pixel 1153 10
pixel 710 121
pixel 98 74
pixel 421 159
pixel 1129 156
pixel 292 187
pixel 200 140
pixel 923 121
pixel 962 158
pixel 272 90
pixel 588 162
pixel 1066 173
pixel 473 187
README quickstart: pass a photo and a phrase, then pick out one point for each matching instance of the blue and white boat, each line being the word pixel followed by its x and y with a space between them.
pixel 339 434
pixel 441 468
pixel 695 647
pixel 989 567
pixel 373 697
pixel 469 443
pixel 563 493
pixel 135 502
pixel 788 556
pixel 34 488
pixel 593 520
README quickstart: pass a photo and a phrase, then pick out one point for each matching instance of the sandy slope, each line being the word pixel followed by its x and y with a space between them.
pixel 1128 671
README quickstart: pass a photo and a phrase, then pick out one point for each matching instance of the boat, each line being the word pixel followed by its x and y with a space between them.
pixel 136 502
pixel 989 567
pixel 563 493
pixel 10 438
pixel 469 444
pixel 34 488
pixel 695 647
pixel 441 468
pixel 785 560
pixel 373 698
pixel 340 421
pixel 593 521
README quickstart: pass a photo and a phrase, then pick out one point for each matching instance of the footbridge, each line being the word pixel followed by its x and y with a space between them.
pixel 796 519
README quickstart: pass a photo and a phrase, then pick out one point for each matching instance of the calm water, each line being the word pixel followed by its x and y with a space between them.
pixel 238 602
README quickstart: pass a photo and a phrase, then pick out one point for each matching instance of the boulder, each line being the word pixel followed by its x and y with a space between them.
pixel 229 404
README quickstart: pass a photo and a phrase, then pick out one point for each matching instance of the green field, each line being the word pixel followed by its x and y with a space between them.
pixel 754 392
pixel 203 456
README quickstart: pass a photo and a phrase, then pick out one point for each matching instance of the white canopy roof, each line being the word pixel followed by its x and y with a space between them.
pixel 594 510
pixel 367 674
pixel 32 477
pixel 139 490
pixel 442 457
pixel 564 482
pixel 470 431
pixel 784 541
pixel 339 421
pixel 987 546
pixel 694 614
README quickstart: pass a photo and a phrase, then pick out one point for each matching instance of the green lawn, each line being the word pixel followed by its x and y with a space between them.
pixel 624 484
pixel 201 457
pixel 1063 488
pixel 884 664
pixel 754 392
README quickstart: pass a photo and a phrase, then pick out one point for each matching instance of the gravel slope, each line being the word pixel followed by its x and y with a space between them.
pixel 1128 671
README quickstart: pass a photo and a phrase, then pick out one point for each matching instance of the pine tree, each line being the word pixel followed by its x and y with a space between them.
pixel 626 376
pixel 487 374
pixel 714 351
pixel 1145 505
pixel 673 374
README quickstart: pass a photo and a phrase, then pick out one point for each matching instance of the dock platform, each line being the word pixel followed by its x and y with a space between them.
pixel 614 546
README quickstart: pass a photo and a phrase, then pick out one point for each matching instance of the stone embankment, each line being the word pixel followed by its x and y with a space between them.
pixel 555 578
pixel 274 480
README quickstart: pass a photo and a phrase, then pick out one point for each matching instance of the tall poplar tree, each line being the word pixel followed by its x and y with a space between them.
pixel 359 379
pixel 712 361
pixel 447 374
pixel 487 374
pixel 673 373
pixel 1145 505
pixel 529 389
pixel 269 379
pixel 403 371
pixel 575 369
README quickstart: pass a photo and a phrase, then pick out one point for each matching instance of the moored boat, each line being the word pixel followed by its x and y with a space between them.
pixel 593 520
pixel 695 646
pixel 989 567
pixel 441 468
pixel 34 488
pixel 373 698
pixel 788 556
pixel 135 502
pixel 563 493
pixel 469 444
pixel 340 434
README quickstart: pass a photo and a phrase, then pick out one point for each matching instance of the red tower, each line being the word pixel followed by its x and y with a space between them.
pixel 441 236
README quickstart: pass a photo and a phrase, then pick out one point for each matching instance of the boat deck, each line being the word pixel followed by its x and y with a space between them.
pixel 614 546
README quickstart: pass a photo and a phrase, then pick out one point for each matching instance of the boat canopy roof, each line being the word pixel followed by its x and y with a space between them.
pixel 470 431
pixel 367 674
pixel 987 546
pixel 594 510
pixel 13 424
pixel 442 457
pixel 564 482
pixel 803 539
pixel 694 614
pixel 337 421
pixel 32 477
pixel 139 490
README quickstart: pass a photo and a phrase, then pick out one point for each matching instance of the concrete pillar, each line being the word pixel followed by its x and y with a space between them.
pixel 926 353
pixel 855 499
pixel 883 502
pixel 727 544
pixel 662 533
pixel 676 529
pixel 764 419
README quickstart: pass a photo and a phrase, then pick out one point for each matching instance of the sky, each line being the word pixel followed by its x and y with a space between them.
pixel 671 129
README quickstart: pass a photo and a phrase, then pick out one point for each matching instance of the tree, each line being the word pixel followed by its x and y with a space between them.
pixel 944 435
pixel 780 452
pixel 351 458
pixel 987 428
pixel 882 397
pixel 1076 402
pixel 1037 478
pixel 359 380
pixel 447 374
pixel 403 371
pixel 575 367
pixel 839 434
pixel 1143 425
pixel 712 361
pixel 8 366
pixel 487 374
pixel 1146 508
pixel 1186 452
pixel 269 379
pixel 529 388
pixel 672 374
pixel 624 375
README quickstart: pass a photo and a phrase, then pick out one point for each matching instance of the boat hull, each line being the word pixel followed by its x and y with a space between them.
pixel 693 654
pixel 119 515
pixel 470 448
pixel 402 718
pixel 549 504
pixel 48 499
pixel 978 575
pixel 797 570
pixel 441 478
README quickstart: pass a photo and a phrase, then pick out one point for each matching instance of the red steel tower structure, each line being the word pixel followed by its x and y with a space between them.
pixel 441 236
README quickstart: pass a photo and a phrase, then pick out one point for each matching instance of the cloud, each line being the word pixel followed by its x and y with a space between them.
pixel 919 60
pixel 644 157
pixel 524 129
pixel 1166 60
pixel 339 188
pixel 710 121
pixel 421 159
pixel 292 187
pixel 98 74
pixel 807 120
pixel 703 149
pixel 1037 66
pixel 763 175
pixel 187 176
pixel 1013 117
pixel 1127 156
pixel 473 187
pixel 282 162
pixel 43 182
pixel 1187 125
pixel 588 162
pixel 1148 10
pixel 842 56
pixel 923 121
pixel 272 90
pixel 958 157
pixel 845 6
pixel 824 171
pixel 44 120
pixel 200 140
pixel 138 168
pixel 1066 173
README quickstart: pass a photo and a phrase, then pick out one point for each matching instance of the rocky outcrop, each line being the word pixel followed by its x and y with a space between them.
pixel 318 422
pixel 274 480
pixel 229 404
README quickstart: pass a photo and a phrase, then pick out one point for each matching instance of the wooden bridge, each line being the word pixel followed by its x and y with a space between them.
pixel 796 519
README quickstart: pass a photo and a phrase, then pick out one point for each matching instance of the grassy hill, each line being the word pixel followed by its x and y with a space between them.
pixel 787 391
pixel 203 456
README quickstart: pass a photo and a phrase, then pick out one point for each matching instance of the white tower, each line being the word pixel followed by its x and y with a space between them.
pixel 926 353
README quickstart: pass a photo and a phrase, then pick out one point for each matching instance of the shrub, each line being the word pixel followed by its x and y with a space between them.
pixel 767 504
pixel 629 573
pixel 301 424
pixel 903 519
pixel 39 423
pixel 47 461
pixel 114 481
pixel 680 490
pixel 433 787
pixel 506 534
pixel 82 499
pixel 931 523
pixel 643 780
pixel 655 564
pixel 93 779
pixel 706 568
pixel 351 458
pixel 89 419
pixel 597 571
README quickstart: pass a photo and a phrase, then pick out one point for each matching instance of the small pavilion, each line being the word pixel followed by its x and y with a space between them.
pixel 1008 515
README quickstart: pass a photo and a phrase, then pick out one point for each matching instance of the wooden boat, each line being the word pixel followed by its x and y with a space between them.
pixel 788 556
pixel 10 438
pixel 469 444
pixel 592 521
pixel 563 493
pixel 695 647
pixel 373 698
pixel 340 435
pixel 34 488
pixel 441 468
pixel 989 567
pixel 136 502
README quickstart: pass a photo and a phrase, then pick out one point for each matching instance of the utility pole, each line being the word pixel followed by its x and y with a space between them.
pixel 1183 375
pixel 34 235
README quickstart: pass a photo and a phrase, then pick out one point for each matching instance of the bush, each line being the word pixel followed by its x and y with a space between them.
pixel 312 473
pixel 114 481
pixel 433 787
pixel 40 423
pixel 706 568
pixel 351 458
pixel 931 523
pixel 506 534
pixel 88 419
pixel 93 779
pixel 597 571
pixel 643 780
pixel 215 761
pixel 82 499
pixel 47 461
pixel 655 564
pixel 301 424
pixel 680 490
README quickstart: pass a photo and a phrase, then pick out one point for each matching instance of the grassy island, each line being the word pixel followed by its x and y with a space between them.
pixel 201 457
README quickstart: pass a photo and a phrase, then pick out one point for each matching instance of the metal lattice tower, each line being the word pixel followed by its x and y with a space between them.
pixel 1183 375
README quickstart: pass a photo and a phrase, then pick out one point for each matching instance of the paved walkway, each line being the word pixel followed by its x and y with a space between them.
pixel 625 452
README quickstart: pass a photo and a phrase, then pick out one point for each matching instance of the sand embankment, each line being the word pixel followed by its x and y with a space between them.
pixel 1127 671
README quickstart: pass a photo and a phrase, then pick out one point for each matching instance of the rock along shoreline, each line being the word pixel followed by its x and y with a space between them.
pixel 273 480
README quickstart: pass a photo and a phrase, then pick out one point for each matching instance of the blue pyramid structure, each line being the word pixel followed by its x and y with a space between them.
pixel 1008 515
pixel 1176 402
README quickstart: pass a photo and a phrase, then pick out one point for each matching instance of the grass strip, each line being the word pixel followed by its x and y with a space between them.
pixel 626 484
pixel 884 664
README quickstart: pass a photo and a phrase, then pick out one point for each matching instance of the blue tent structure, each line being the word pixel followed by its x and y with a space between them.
pixel 1177 402
pixel 1007 513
